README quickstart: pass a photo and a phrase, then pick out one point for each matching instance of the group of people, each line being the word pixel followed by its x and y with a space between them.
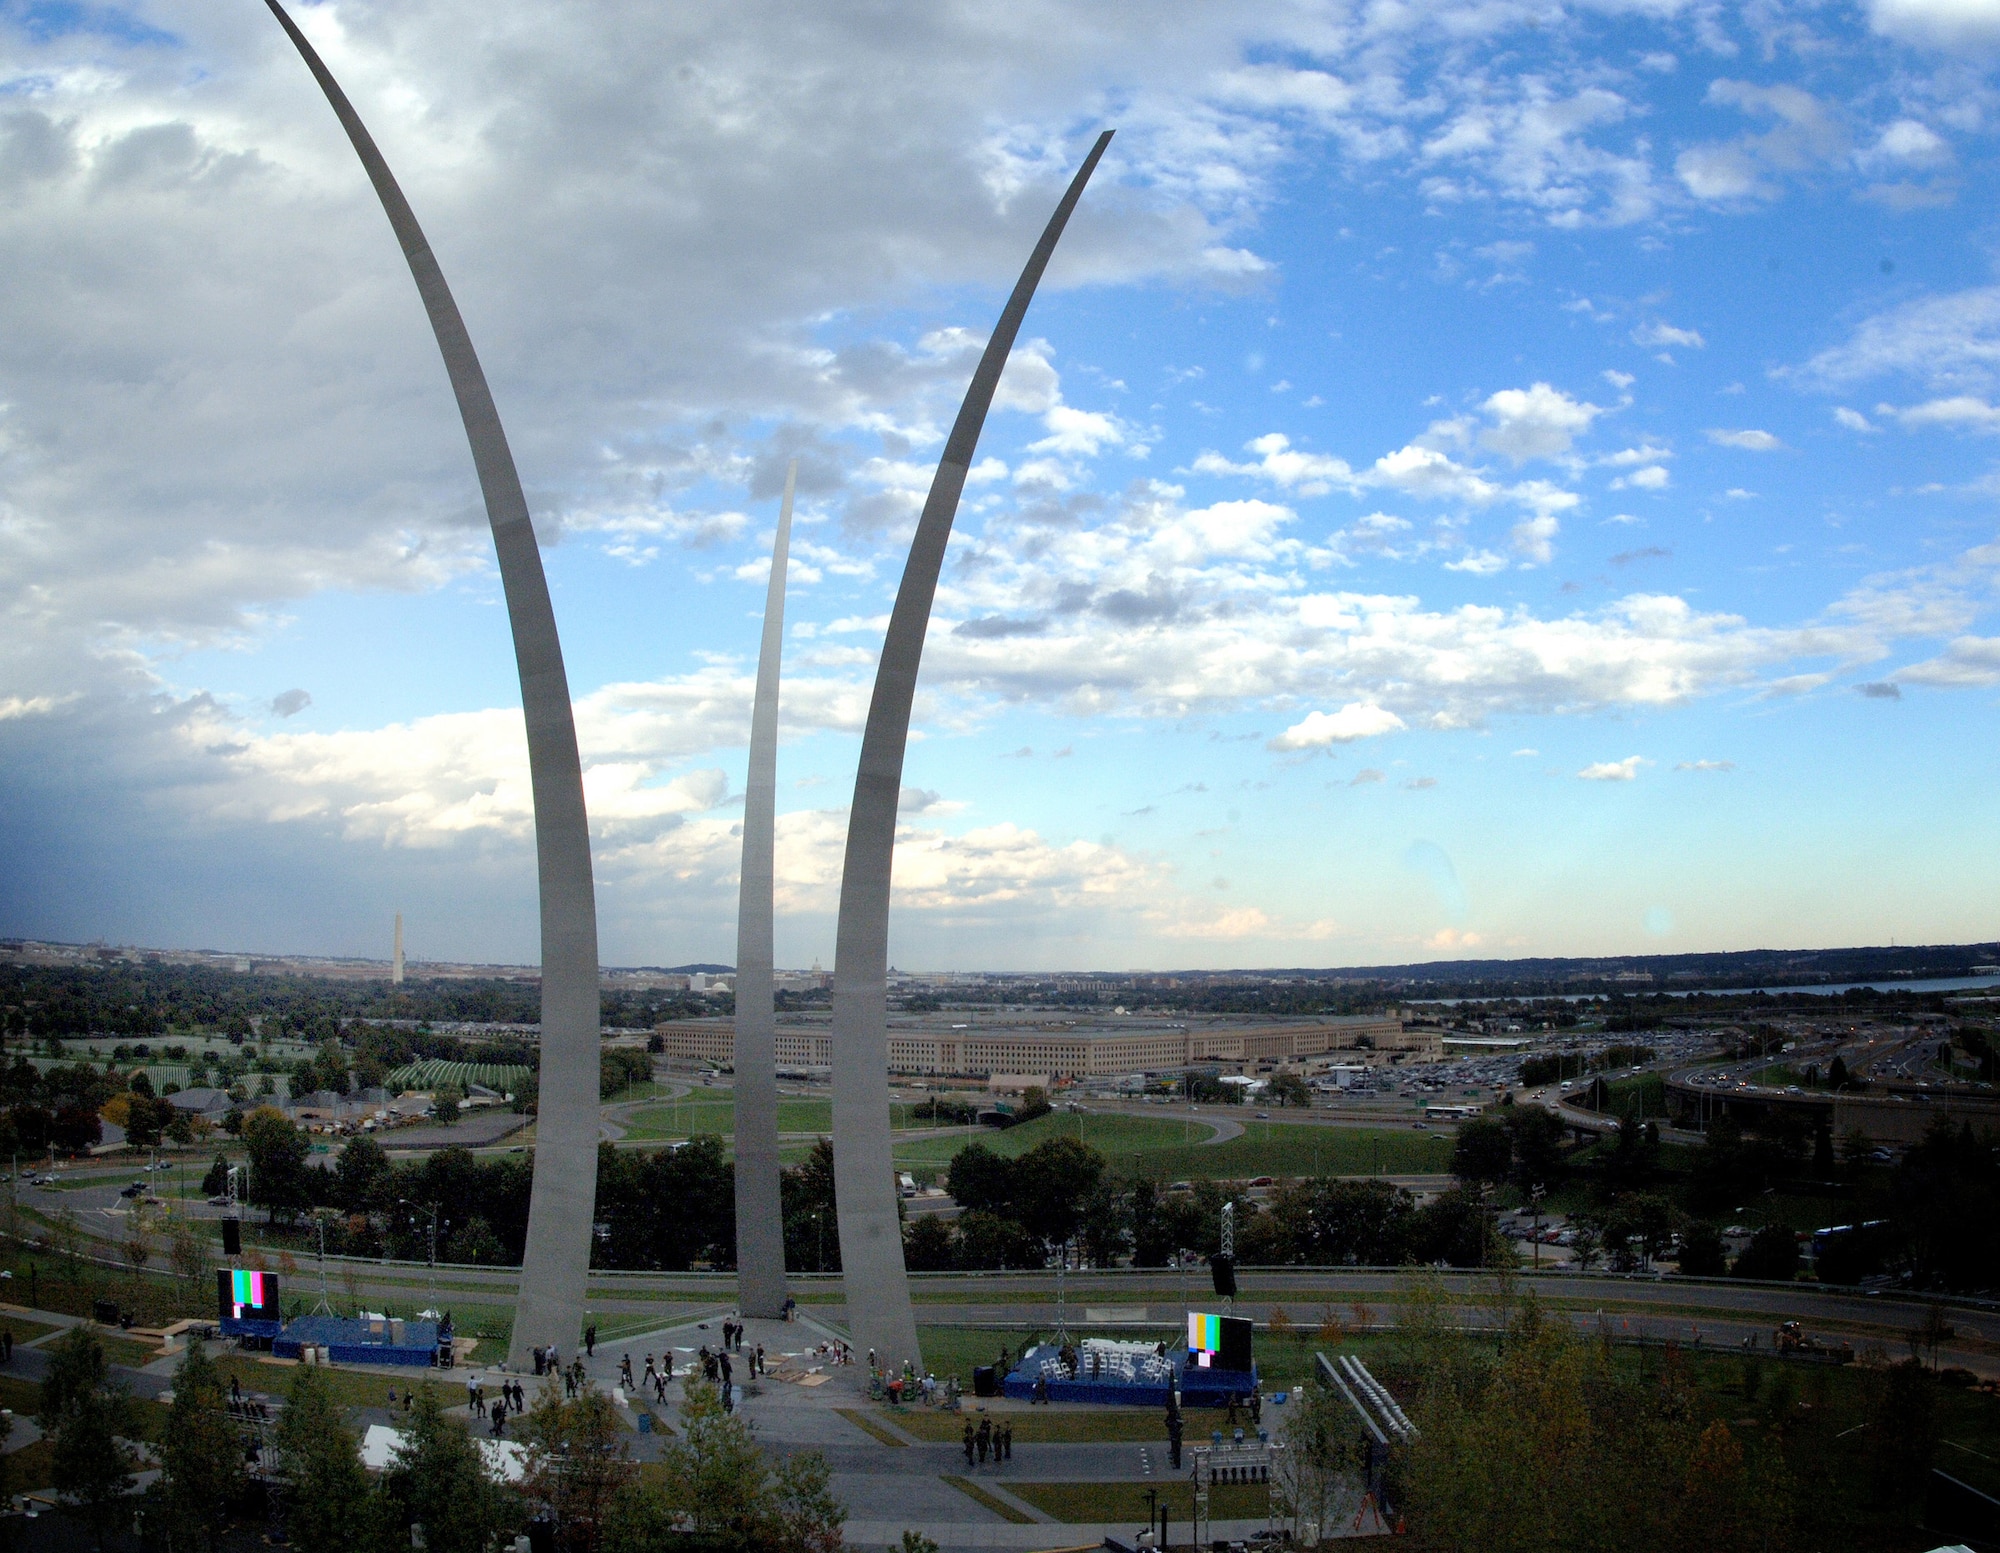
pixel 513 1398
pixel 988 1439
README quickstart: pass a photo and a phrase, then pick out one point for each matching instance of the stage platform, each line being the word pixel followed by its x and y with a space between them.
pixel 1125 1375
pixel 368 1341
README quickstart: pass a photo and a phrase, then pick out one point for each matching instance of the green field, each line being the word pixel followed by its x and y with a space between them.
pixel 1156 1148
pixel 1098 1502
pixel 706 1113
pixel 435 1071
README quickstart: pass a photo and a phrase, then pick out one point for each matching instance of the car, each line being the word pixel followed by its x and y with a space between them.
pixel 133 1190
pixel 220 1200
pixel 1263 1116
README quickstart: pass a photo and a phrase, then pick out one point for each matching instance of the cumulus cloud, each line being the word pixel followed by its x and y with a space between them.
pixel 1535 422
pixel 1663 336
pixel 1625 770
pixel 1951 343
pixel 1356 720
pixel 1749 440
pixel 1705 765
pixel 1965 411
pixel 1937 23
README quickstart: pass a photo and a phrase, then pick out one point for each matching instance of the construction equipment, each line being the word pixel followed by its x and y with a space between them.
pixel 1794 1341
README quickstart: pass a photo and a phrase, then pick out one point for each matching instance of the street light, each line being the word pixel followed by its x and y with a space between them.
pixel 431 1209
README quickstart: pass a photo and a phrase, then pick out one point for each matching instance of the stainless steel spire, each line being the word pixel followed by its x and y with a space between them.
pixel 879 1316
pixel 760 1218
pixel 562 1199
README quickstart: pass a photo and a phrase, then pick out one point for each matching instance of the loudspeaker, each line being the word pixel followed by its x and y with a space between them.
pixel 232 1237
pixel 985 1382
pixel 1223 1270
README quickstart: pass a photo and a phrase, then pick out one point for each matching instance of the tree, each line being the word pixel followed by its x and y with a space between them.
pixel 201 1463
pixel 812 1241
pixel 474 1243
pixel 279 1182
pixel 1836 1073
pixel 1322 1471
pixel 361 1175
pixel 1483 1151
pixel 1290 1089
pixel 1773 1253
pixel 927 1245
pixel 329 1487
pixel 977 1178
pixel 82 1415
pixel 216 1182
pixel 444 1107
pixel 1050 1183
pixel 719 1484
pixel 438 1480
pixel 576 1464
pixel 1702 1252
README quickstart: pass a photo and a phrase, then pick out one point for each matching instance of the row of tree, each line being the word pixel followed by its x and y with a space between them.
pixel 713 1488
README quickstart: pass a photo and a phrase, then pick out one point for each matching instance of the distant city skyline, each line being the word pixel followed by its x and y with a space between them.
pixel 1475 483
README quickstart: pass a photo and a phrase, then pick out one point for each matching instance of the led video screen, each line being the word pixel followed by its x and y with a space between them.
pixel 245 1295
pixel 1219 1342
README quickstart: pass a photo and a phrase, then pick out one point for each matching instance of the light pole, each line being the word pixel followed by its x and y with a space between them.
pixel 431 1209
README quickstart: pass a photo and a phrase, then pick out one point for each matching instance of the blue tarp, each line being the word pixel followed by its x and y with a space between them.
pixel 1199 1387
pixel 359 1342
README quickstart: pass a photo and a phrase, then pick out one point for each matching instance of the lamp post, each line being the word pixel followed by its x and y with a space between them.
pixel 431 1209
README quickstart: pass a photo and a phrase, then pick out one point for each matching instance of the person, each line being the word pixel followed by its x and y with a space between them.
pixel 590 1340
pixel 985 1438
pixel 499 1419
pixel 1006 1438
pixel 971 1442
pixel 871 1361
pixel 392 1399
pixel 1232 1410
pixel 625 1371
pixel 667 1359
pixel 235 1390
pixel 757 1362
pixel 409 1394
pixel 471 1391
pixel 7 1346
pixel 539 1359
pixel 728 1379
pixel 1256 1408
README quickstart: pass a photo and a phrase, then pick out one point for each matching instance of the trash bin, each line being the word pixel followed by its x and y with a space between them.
pixel 645 1422
pixel 985 1381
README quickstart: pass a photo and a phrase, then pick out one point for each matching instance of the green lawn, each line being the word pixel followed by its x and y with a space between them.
pixel 706 1113
pixel 1076 1503
pixel 1157 1148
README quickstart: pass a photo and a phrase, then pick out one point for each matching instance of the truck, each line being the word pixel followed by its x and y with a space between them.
pixel 1793 1340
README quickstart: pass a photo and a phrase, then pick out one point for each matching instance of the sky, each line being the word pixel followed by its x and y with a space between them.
pixel 1481 477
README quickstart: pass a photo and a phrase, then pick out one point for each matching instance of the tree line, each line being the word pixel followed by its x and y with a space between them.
pixel 712 1489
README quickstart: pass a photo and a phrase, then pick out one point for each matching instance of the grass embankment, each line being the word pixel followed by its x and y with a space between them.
pixel 1158 1148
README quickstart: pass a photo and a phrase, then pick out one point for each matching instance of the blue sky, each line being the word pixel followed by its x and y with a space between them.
pixel 1483 478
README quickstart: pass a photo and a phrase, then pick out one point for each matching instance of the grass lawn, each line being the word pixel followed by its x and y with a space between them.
pixel 993 1502
pixel 1122 1502
pixel 1059 1426
pixel 25 1328
pixel 704 1113
pixel 1157 1148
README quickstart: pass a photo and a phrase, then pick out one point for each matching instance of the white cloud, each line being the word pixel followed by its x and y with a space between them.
pixel 1937 23
pixel 1625 770
pixel 1967 661
pixel 1356 720
pixel 1705 765
pixel 1534 539
pixel 1535 422
pixel 1652 478
pixel 1950 342
pixel 1661 336
pixel 1853 420
pixel 1961 410
pixel 1310 474
pixel 1750 441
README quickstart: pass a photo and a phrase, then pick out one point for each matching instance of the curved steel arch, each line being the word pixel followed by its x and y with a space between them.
pixel 879 1316
pixel 563 1197
pixel 760 1214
